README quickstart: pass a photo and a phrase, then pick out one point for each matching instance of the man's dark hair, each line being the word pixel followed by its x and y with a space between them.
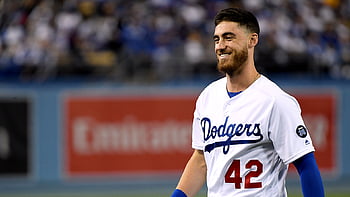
pixel 240 16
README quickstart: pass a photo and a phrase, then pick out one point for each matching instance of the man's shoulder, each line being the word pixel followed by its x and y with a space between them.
pixel 215 90
pixel 275 92
pixel 221 81
pixel 270 88
pixel 216 85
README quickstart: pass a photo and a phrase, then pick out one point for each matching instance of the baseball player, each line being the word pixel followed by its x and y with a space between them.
pixel 246 130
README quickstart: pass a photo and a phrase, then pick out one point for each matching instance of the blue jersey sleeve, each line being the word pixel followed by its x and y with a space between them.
pixel 310 177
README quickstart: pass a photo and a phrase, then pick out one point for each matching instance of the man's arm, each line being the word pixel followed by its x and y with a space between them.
pixel 310 177
pixel 193 177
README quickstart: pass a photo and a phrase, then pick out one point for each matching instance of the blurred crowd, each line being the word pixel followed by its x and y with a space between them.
pixel 159 40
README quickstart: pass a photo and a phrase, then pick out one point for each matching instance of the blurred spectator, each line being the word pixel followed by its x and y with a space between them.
pixel 160 40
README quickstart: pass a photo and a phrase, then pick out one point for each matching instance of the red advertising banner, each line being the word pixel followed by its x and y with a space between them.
pixel 152 134
pixel 319 111
pixel 127 134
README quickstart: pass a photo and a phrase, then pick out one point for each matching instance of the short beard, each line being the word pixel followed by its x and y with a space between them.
pixel 234 65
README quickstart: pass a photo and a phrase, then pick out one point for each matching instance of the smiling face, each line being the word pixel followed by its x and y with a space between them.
pixel 230 47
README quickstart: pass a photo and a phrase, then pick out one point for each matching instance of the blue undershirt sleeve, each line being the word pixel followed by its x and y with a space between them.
pixel 310 177
pixel 178 193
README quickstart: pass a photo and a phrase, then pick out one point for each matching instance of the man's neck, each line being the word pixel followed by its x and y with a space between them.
pixel 241 81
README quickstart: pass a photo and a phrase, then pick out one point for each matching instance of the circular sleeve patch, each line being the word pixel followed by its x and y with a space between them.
pixel 301 131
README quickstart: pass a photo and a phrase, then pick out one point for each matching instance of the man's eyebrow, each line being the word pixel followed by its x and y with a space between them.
pixel 224 35
pixel 228 34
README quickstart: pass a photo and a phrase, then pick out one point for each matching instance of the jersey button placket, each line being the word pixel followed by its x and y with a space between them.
pixel 226 108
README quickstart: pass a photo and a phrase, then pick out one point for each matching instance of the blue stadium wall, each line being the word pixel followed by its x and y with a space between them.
pixel 44 166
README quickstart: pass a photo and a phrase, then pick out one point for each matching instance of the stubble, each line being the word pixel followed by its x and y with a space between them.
pixel 235 64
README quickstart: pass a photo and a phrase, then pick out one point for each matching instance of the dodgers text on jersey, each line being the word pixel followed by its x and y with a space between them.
pixel 235 133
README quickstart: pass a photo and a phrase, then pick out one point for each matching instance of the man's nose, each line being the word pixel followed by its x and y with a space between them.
pixel 220 45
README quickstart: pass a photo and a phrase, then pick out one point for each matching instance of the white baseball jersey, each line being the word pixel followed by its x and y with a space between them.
pixel 248 140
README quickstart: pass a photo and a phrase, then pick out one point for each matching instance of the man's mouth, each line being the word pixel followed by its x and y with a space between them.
pixel 224 55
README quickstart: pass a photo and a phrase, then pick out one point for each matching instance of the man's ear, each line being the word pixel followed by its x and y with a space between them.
pixel 253 40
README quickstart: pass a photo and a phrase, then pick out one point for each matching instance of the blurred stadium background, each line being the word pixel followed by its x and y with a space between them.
pixel 97 96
